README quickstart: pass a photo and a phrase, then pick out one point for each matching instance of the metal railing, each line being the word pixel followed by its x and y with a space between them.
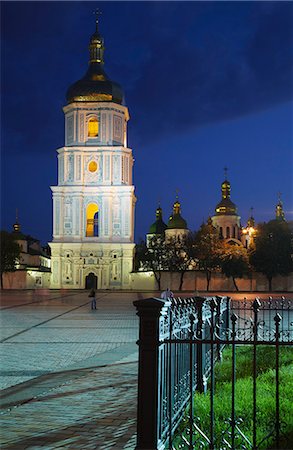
pixel 179 343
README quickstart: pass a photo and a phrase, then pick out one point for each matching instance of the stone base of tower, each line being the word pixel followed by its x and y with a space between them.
pixel 86 265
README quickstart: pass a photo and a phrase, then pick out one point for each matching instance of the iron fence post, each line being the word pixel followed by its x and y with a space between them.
pixel 277 320
pixel 255 306
pixel 149 311
pixel 200 382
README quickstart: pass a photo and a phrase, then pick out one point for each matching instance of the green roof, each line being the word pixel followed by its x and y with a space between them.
pixel 158 227
pixel 177 222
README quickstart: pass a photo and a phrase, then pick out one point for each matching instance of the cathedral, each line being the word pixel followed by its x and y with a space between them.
pixel 94 200
pixel 226 220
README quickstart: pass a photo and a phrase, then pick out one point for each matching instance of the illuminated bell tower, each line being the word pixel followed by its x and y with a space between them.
pixel 93 203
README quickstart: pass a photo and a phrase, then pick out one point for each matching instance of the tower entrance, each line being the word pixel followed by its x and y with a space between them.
pixel 91 281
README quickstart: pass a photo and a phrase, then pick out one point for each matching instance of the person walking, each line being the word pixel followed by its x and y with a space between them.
pixel 167 294
pixel 92 296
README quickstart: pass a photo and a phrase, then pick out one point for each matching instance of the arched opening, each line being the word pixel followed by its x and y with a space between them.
pixel 227 232
pixel 92 220
pixel 93 127
pixel 91 281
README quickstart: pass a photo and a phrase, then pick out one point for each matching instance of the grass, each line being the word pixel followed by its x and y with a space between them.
pixel 266 392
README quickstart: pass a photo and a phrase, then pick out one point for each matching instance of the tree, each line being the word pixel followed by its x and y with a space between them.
pixel 180 252
pixel 208 248
pixel 273 250
pixel 10 252
pixel 234 262
pixel 152 257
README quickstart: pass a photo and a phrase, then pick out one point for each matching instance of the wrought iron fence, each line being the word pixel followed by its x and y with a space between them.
pixel 179 343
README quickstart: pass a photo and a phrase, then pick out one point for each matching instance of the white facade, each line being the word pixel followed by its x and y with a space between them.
pixel 228 226
pixel 93 203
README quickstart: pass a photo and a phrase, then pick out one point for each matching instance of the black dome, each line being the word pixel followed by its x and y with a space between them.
pixel 95 86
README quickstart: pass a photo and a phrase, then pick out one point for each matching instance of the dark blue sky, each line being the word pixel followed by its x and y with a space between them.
pixel 208 84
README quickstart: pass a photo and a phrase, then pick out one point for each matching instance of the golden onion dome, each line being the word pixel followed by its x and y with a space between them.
pixel 95 86
pixel 159 226
pixel 176 221
pixel 226 206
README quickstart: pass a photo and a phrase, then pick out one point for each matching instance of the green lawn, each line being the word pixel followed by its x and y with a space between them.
pixel 244 403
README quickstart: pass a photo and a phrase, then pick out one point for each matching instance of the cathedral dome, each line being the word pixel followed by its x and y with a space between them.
pixel 95 86
pixel 226 206
pixel 176 221
pixel 159 226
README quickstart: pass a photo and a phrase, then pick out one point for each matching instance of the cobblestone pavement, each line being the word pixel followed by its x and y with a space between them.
pixel 68 374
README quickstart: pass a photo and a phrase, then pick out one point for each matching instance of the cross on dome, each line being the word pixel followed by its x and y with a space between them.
pixel 97 13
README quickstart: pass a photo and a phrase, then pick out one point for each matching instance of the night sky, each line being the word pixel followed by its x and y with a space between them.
pixel 207 84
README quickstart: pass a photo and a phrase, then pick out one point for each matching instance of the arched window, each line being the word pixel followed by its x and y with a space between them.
pixel 227 232
pixel 221 232
pixel 92 220
pixel 93 127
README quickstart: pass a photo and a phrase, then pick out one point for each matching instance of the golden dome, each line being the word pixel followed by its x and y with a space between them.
pixel 95 86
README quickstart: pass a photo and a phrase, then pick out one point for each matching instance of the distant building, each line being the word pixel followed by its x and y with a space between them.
pixel 33 268
pixel 177 226
pixel 93 203
pixel 226 219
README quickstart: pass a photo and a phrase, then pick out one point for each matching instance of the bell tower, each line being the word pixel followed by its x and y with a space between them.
pixel 93 203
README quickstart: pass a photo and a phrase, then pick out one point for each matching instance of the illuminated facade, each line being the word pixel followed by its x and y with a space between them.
pixel 226 219
pixel 93 203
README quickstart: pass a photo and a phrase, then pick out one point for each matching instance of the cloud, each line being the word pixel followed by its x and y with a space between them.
pixel 223 74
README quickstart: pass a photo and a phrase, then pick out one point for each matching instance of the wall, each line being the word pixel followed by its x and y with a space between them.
pixel 196 281
pixel 22 279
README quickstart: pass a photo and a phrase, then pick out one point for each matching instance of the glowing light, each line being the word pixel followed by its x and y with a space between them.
pixel 93 127
pixel 93 166
pixel 92 209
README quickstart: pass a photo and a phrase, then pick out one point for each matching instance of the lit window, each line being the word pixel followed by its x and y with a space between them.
pixel 93 166
pixel 92 220
pixel 93 127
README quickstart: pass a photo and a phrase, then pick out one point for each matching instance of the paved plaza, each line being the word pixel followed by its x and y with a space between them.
pixel 69 374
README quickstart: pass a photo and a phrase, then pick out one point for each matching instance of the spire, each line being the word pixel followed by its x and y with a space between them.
pixel 158 227
pixel 97 43
pixel 280 215
pixel 251 221
pixel 176 205
pixel 97 13
pixel 16 226
pixel 159 213
pixel 176 221
pixel 226 206
pixel 226 187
